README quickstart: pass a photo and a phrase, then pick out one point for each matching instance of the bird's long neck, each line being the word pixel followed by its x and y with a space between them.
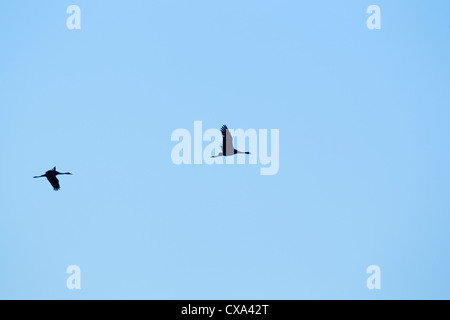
pixel 240 152
pixel 58 173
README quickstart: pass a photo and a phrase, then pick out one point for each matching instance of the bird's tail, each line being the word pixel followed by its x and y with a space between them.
pixel 217 156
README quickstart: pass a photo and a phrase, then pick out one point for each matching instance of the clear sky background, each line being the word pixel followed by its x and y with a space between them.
pixel 364 127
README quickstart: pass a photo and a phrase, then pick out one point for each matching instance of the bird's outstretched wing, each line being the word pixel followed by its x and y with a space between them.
pixel 54 182
pixel 227 144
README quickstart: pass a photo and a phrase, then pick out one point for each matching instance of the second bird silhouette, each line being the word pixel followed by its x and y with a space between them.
pixel 227 144
pixel 51 177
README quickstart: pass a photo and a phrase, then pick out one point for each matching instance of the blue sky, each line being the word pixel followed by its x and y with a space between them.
pixel 363 119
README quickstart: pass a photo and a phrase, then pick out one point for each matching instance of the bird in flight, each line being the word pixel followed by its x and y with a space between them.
pixel 227 144
pixel 51 177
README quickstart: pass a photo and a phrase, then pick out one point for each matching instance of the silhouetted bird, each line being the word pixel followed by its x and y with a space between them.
pixel 227 144
pixel 51 177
